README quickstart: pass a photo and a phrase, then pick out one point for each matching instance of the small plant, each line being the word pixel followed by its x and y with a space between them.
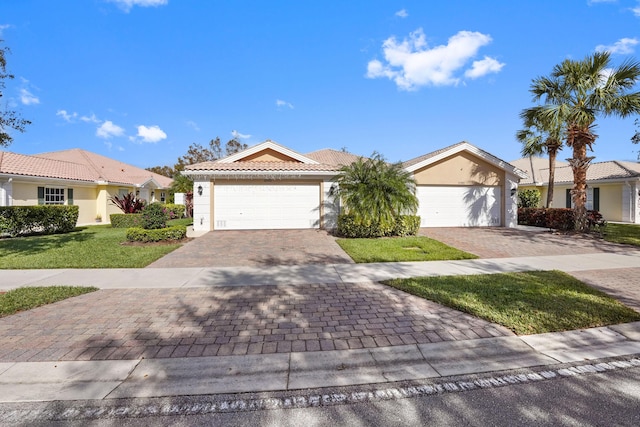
pixel 529 198
pixel 154 216
pixel 128 203
pixel 98 218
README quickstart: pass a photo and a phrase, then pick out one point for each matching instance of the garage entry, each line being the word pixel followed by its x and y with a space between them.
pixel 459 206
pixel 266 206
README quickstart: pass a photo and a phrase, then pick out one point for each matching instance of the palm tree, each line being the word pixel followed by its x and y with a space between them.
pixel 541 136
pixel 376 192
pixel 576 93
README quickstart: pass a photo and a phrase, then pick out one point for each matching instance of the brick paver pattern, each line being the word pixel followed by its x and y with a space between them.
pixel 161 323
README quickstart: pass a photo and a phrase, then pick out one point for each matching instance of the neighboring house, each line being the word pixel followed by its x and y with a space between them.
pixel 75 177
pixel 269 186
pixel 613 187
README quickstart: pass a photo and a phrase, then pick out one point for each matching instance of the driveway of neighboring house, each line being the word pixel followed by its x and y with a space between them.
pixel 254 248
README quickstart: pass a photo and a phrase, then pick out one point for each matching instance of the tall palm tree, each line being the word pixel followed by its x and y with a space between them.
pixel 577 92
pixel 541 136
pixel 374 191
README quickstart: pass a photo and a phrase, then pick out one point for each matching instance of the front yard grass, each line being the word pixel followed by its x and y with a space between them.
pixel 623 233
pixel 96 246
pixel 27 298
pixel 398 249
pixel 527 303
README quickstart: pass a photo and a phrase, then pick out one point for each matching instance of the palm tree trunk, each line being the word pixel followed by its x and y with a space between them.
pixel 579 165
pixel 553 153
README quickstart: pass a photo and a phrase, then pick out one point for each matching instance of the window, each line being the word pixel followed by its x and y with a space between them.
pixel 50 196
pixel 163 196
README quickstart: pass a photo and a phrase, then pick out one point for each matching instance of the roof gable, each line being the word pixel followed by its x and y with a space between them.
pixel 433 157
pixel 271 149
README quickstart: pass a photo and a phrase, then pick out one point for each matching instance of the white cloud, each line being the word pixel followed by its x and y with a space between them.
pixel 4 27
pixel 412 64
pixel 127 5
pixel 402 13
pixel 193 125
pixel 108 129
pixel 590 2
pixel 623 46
pixel 239 135
pixel 66 116
pixel 483 67
pixel 151 134
pixel 281 103
pixel 636 10
pixel 89 119
pixel 27 98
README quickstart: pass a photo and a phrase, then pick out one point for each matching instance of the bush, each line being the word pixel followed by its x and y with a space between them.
pixel 405 225
pixel 125 220
pixel 557 218
pixel 154 216
pixel 137 234
pixel 529 198
pixel 48 219
pixel 174 211
pixel 128 203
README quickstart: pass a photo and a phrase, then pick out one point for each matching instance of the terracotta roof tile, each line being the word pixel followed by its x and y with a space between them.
pixel 328 156
pixel 80 165
pixel 261 166
pixel 563 174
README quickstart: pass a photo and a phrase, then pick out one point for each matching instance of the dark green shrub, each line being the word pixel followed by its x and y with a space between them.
pixel 405 225
pixel 174 211
pixel 154 216
pixel 137 234
pixel 558 218
pixel 125 220
pixel 47 219
pixel 529 198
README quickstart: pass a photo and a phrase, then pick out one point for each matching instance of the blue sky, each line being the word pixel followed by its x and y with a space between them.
pixel 141 80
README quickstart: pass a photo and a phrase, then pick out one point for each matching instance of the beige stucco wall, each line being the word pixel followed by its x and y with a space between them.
pixel 460 169
pixel 85 199
pixel 24 194
pixel 268 155
pixel 104 206
pixel 611 201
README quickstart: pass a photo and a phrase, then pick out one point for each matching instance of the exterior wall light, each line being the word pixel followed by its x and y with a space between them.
pixel 199 190
pixel 513 191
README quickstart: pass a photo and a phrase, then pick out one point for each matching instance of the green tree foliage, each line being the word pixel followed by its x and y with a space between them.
pixel 9 119
pixel 374 191
pixel 529 198
pixel 636 137
pixel 576 93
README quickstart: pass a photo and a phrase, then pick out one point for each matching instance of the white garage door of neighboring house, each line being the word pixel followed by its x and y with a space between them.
pixel 255 207
pixel 459 206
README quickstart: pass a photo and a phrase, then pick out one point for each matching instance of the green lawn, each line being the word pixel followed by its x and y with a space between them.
pixel 623 233
pixel 397 249
pixel 96 246
pixel 27 298
pixel 527 303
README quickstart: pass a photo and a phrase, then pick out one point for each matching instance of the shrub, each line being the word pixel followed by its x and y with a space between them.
pixel 558 218
pixel 137 234
pixel 125 220
pixel 349 226
pixel 174 211
pixel 154 216
pixel 128 203
pixel 48 219
pixel 529 198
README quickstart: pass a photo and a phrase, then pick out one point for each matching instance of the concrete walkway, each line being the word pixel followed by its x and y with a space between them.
pixel 289 370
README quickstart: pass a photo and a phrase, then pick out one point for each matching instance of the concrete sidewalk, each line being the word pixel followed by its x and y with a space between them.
pixel 307 274
pixel 55 381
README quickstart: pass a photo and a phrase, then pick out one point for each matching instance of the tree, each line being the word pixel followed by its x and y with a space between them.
pixel 167 171
pixel 9 119
pixel 541 136
pixel 576 93
pixel 636 138
pixel 373 190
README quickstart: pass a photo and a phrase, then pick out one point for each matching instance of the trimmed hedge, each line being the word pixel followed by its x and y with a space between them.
pixel 175 211
pixel 404 225
pixel 44 219
pixel 557 218
pixel 125 220
pixel 137 234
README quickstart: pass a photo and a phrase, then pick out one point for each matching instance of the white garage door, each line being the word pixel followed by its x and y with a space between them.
pixel 255 207
pixel 459 206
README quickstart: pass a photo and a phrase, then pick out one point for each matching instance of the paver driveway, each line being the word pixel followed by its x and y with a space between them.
pixel 252 248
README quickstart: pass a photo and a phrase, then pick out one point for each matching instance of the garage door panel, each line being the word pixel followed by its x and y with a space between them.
pixel 254 207
pixel 459 206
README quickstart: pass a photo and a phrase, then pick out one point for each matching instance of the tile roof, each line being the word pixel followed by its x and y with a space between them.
pixel 77 165
pixel 537 169
pixel 609 170
pixel 328 156
pixel 261 166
